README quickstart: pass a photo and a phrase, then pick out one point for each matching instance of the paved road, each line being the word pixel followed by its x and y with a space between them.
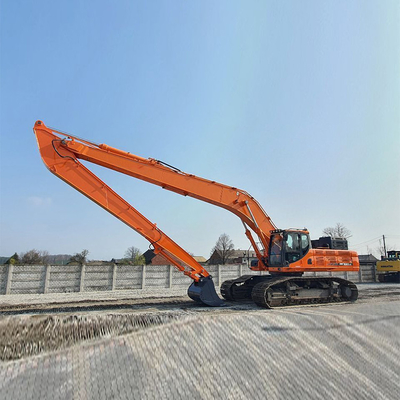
pixel 338 351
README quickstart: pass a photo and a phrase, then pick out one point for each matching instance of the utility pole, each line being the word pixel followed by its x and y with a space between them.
pixel 384 245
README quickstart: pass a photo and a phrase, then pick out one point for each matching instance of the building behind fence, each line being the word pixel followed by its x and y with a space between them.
pixel 36 279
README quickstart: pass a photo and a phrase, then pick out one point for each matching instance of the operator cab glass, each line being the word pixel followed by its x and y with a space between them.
pixel 393 255
pixel 287 248
pixel 275 250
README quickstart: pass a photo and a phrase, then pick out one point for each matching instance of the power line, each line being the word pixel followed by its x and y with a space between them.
pixel 367 241
pixel 372 241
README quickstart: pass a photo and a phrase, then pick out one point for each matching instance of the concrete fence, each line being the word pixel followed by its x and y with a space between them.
pixel 36 279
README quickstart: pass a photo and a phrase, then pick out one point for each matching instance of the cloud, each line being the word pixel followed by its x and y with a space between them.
pixel 36 201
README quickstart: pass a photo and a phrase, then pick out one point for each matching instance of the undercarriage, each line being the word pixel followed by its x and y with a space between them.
pixel 271 291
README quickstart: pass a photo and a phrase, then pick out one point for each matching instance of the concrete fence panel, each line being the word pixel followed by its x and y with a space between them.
pixel 64 279
pixel 3 278
pixel 157 276
pixel 179 279
pixel 128 277
pixel 27 279
pixel 98 278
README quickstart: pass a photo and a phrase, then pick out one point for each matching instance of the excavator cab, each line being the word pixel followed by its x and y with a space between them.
pixel 287 247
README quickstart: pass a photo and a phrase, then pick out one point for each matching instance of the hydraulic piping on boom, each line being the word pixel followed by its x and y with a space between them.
pixel 286 254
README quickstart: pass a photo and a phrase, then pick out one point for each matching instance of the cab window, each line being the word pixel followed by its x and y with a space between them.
pixel 293 249
pixel 305 243
pixel 275 258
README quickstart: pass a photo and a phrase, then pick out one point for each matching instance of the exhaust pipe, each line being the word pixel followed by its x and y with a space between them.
pixel 204 292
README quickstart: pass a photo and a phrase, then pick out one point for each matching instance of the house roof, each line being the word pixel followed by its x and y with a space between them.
pixel 158 259
pixel 200 259
pixel 367 257
pixel 243 253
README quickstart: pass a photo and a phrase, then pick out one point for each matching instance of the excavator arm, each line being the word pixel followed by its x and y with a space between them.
pixel 156 172
pixel 62 162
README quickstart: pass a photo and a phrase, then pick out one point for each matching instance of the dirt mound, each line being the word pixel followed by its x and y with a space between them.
pixel 20 337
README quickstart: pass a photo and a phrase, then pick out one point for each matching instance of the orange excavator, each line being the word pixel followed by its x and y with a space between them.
pixel 286 254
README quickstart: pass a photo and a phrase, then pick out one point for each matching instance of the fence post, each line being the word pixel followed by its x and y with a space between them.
pixel 82 283
pixel 360 275
pixel 240 269
pixel 346 275
pixel 219 276
pixel 114 277
pixel 143 276
pixel 47 279
pixel 9 278
pixel 374 271
pixel 170 277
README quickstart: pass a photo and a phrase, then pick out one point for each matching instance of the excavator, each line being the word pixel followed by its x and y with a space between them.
pixel 285 255
pixel 388 268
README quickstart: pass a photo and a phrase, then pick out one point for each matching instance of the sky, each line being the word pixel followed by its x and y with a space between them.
pixel 297 103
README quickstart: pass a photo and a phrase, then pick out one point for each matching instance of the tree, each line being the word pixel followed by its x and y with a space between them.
pixel 134 256
pixel 339 231
pixel 224 248
pixel 31 257
pixel 80 258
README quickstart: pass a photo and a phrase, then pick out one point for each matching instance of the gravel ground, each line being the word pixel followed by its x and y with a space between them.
pixel 31 327
pixel 325 352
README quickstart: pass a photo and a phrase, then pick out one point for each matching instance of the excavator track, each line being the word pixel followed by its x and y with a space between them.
pixel 240 288
pixel 288 291
pixel 270 291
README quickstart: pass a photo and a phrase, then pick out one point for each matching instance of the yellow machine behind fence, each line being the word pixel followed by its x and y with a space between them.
pixel 388 269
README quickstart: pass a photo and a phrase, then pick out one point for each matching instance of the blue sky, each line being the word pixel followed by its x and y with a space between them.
pixel 297 103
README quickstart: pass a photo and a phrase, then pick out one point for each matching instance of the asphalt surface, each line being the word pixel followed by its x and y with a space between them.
pixel 348 350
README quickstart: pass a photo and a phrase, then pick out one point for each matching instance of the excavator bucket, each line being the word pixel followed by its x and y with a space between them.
pixel 204 292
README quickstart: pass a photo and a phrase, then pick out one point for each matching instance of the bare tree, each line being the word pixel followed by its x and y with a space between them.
pixel 45 256
pixel 80 258
pixel 381 249
pixel 224 248
pixel 338 231
pixel 31 257
pixel 134 256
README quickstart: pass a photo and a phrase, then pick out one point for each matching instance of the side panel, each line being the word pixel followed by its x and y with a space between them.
pixel 388 266
pixel 317 260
